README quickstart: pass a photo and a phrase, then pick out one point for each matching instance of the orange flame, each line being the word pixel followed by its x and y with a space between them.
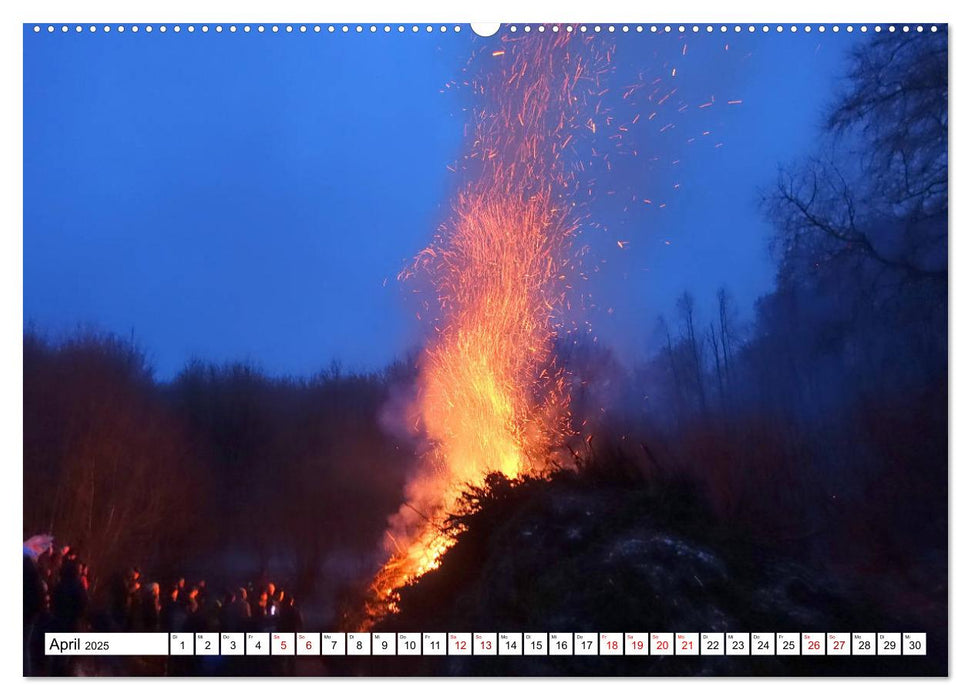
pixel 490 396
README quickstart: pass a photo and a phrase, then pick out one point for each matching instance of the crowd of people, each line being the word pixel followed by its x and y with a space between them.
pixel 60 595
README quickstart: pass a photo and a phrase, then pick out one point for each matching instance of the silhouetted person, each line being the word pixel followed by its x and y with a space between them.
pixel 70 599
pixel 240 613
pixel 182 593
pixel 33 605
pixel 69 603
pixel 33 590
pixel 133 606
pixel 195 615
pixel 291 619
pixel 192 601
pixel 262 609
pixel 151 608
pixel 84 575
pixel 225 611
pixel 40 663
pixel 45 564
pixel 56 562
pixel 173 613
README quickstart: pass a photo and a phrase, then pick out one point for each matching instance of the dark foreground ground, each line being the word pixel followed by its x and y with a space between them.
pixel 588 552
pixel 591 553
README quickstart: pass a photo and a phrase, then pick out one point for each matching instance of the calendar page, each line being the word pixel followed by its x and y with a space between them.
pixel 521 349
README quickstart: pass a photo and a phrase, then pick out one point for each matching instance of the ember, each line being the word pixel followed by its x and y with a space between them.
pixel 491 397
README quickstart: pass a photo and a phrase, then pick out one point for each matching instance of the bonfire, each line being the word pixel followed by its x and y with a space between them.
pixel 491 397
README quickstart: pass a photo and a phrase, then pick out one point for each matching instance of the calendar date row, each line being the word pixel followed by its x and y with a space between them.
pixel 490 644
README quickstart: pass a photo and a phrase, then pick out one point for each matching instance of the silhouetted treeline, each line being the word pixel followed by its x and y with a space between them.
pixel 221 459
pixel 107 464
pixel 822 424
pixel 301 466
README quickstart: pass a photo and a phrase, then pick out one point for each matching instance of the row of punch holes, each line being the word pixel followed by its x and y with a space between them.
pixel 513 28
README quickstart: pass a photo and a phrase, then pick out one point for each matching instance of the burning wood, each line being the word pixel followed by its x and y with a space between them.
pixel 491 397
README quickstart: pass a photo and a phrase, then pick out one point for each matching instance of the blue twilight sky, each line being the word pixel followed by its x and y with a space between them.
pixel 253 197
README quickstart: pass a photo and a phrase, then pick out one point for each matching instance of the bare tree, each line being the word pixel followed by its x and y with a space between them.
pixel 877 193
pixel 695 350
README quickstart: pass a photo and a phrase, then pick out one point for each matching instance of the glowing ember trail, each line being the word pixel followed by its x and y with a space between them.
pixel 490 396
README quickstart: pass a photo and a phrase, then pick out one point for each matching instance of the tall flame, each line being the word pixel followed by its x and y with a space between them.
pixel 490 396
